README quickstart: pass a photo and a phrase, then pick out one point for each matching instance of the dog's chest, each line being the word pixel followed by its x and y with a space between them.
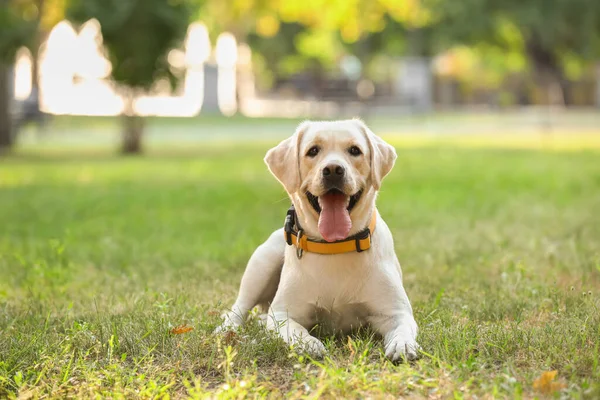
pixel 331 288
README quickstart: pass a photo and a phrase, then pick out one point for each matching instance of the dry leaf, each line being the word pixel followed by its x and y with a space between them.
pixel 178 330
pixel 231 338
pixel 213 313
pixel 546 384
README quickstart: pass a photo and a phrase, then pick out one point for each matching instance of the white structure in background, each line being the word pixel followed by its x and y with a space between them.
pixel 246 86
pixel 189 103
pixel 414 83
pixel 227 57
pixel 74 79
pixel 74 71
pixel 22 69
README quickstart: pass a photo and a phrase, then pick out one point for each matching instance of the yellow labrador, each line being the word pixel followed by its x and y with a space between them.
pixel 332 172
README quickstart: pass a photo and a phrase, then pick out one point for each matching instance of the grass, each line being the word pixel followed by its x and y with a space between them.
pixel 101 256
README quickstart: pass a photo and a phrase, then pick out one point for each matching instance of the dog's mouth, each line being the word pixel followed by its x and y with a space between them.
pixel 334 208
pixel 352 200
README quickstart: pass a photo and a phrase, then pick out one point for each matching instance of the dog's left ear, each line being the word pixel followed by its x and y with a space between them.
pixel 283 163
pixel 383 155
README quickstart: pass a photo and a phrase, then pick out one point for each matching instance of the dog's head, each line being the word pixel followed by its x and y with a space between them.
pixel 332 172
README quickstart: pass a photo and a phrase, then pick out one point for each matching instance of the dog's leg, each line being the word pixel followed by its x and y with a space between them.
pixel 259 283
pixel 294 333
pixel 289 316
pixel 393 319
pixel 399 333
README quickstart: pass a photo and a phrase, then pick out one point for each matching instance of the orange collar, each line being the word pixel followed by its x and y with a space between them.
pixel 294 236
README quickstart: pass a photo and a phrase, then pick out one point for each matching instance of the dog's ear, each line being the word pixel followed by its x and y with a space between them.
pixel 283 160
pixel 383 155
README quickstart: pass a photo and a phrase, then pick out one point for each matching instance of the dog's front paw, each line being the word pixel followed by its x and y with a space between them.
pixel 231 322
pixel 402 345
pixel 311 346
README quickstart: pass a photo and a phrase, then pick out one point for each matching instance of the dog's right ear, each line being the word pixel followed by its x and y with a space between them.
pixel 283 160
pixel 383 155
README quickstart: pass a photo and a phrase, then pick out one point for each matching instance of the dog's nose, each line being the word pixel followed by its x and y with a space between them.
pixel 333 174
pixel 334 169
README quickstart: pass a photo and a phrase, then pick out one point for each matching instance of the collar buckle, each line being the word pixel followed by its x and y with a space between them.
pixel 299 250
pixel 366 234
pixel 290 222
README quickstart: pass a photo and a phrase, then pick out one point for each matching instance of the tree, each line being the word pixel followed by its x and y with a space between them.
pixel 23 23
pixel 548 32
pixel 137 35
pixel 288 36
pixel 16 30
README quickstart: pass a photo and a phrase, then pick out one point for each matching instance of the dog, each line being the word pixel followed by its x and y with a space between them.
pixel 334 262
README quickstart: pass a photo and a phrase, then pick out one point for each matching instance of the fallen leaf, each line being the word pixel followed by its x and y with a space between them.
pixel 546 383
pixel 178 330
pixel 231 338
pixel 213 313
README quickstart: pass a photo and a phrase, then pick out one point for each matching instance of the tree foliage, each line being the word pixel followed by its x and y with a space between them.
pixel 552 34
pixel 289 34
pixel 17 27
pixel 555 39
pixel 138 35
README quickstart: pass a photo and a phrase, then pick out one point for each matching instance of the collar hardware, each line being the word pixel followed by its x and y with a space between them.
pixel 288 227
pixel 299 250
pixel 294 236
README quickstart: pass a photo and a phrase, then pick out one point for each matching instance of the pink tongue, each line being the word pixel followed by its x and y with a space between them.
pixel 334 221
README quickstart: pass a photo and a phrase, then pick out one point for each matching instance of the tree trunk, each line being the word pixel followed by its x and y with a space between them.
pixel 318 75
pixel 35 75
pixel 552 83
pixel 132 134
pixel 36 43
pixel 598 84
pixel 133 125
pixel 6 135
pixel 549 77
pixel 548 71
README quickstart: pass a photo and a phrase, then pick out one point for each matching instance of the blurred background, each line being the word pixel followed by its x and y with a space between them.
pixel 68 68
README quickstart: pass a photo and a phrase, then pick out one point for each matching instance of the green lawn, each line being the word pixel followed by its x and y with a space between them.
pixel 101 256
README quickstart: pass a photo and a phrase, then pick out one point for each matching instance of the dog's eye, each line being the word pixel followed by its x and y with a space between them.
pixel 313 151
pixel 355 151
